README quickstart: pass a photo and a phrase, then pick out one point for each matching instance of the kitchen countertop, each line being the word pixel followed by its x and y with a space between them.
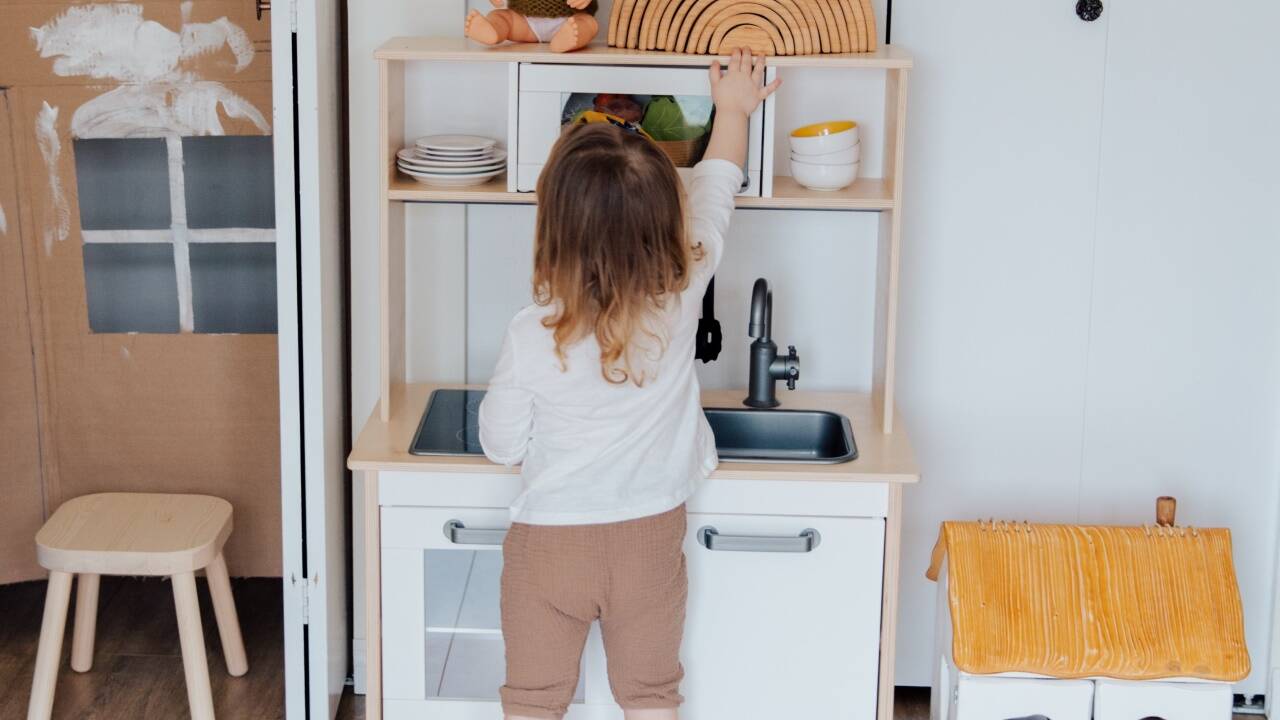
pixel 881 458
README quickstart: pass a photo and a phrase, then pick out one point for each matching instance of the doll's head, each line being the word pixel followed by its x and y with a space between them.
pixel 611 251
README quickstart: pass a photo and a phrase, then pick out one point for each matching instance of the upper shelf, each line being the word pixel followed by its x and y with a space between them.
pixel 864 194
pixel 456 49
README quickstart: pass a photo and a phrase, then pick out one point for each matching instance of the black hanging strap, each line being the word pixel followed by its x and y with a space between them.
pixel 710 339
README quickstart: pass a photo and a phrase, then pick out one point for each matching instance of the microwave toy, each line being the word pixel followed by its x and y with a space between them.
pixel 673 105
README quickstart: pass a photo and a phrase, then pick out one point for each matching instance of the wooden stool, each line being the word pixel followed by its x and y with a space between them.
pixel 135 534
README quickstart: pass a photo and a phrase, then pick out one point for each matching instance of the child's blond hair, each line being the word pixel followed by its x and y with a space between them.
pixel 611 249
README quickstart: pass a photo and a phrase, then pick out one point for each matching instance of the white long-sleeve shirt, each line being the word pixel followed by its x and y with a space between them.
pixel 594 451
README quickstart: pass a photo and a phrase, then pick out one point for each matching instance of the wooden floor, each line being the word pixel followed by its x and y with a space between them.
pixel 911 704
pixel 137 670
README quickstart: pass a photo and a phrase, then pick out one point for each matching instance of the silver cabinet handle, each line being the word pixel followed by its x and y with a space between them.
pixel 460 534
pixel 806 541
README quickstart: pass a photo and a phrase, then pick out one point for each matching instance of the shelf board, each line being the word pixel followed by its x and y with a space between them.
pixel 456 49
pixel 406 188
pixel 881 458
pixel 863 194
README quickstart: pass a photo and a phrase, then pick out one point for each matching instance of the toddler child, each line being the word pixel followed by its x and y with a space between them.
pixel 595 393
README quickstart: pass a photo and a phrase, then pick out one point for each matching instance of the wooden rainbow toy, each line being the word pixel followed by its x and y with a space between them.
pixel 768 27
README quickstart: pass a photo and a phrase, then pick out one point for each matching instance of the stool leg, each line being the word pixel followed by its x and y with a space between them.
pixel 86 621
pixel 49 653
pixel 190 633
pixel 224 609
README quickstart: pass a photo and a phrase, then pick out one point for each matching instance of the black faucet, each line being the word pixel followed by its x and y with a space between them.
pixel 766 367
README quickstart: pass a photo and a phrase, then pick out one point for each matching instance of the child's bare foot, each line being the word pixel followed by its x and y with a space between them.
pixel 479 28
pixel 577 31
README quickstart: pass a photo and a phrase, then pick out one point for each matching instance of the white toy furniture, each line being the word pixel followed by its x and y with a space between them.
pixel 795 594
pixel 135 534
pixel 790 597
pixel 1076 622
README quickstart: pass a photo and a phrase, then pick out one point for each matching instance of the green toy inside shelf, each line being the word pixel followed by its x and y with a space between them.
pixel 679 124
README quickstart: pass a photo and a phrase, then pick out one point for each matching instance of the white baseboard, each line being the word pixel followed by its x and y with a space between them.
pixel 357 659
pixel 1273 687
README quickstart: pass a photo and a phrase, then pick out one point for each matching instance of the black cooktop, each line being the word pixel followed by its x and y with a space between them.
pixel 450 425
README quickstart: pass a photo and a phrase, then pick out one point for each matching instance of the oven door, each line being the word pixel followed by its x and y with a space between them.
pixel 672 104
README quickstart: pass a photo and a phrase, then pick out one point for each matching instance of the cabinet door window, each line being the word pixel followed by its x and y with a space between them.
pixel 123 184
pixel 233 287
pixel 229 182
pixel 204 204
pixel 131 287
pixel 465 653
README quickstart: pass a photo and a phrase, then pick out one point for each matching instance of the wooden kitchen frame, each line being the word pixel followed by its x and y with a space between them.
pixel 885 460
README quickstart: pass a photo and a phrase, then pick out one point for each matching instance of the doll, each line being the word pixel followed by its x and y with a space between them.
pixel 566 24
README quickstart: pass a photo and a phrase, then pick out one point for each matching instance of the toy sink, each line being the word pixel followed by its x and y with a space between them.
pixel 450 426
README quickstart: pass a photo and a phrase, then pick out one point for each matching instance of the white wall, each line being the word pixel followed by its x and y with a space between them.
pixel 821 267
pixel 1063 355
pixel 1090 308
pixel 1183 384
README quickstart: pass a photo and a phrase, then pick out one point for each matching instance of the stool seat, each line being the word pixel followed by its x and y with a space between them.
pixel 134 534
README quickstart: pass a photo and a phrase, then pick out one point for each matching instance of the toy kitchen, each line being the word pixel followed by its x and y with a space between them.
pixel 792 544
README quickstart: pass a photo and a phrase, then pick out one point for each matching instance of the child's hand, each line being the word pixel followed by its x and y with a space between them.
pixel 579 4
pixel 739 89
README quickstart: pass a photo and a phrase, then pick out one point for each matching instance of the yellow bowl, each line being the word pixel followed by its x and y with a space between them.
pixel 824 128
pixel 825 137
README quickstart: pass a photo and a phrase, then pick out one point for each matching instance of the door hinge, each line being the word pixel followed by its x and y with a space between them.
pixel 306 602
pixel 303 587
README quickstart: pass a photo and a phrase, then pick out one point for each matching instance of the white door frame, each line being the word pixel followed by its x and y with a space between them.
pixel 310 268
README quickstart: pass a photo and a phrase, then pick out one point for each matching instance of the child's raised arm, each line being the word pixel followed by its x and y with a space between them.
pixel 737 93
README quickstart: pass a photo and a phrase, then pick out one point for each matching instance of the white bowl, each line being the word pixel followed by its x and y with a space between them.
pixel 824 177
pixel 838 157
pixel 825 137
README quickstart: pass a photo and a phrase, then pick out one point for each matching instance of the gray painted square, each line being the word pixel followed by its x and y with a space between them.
pixel 233 287
pixel 131 288
pixel 230 181
pixel 123 183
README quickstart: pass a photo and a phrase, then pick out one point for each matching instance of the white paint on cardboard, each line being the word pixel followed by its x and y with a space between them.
pixel 163 109
pixel 108 42
pixel 58 217
pixel 115 42
pixel 160 97
pixel 178 225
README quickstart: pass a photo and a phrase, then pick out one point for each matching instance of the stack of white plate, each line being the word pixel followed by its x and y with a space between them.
pixel 452 160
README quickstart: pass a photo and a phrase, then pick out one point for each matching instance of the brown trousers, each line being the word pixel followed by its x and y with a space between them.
pixel 557 579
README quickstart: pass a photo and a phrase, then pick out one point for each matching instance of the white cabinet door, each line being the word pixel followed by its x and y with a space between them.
pixel 310 242
pixel 442 647
pixel 782 623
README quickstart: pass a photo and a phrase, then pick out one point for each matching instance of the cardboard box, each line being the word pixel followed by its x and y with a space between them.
pixel 156 412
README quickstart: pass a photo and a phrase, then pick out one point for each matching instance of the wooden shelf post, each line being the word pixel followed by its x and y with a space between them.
pixel 391 308
pixel 889 249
